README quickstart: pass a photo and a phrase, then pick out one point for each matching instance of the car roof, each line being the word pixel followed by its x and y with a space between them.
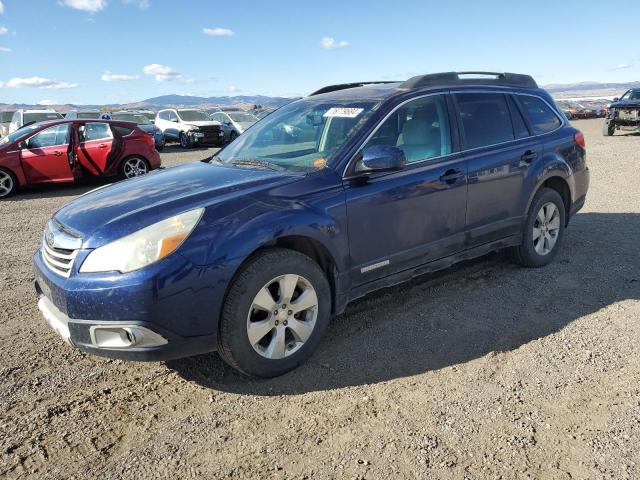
pixel 61 121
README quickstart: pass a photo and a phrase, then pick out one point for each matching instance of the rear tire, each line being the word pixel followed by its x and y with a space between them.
pixel 608 129
pixel 543 230
pixel 134 167
pixel 8 183
pixel 274 314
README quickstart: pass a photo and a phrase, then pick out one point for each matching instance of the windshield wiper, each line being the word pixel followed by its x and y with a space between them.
pixel 257 163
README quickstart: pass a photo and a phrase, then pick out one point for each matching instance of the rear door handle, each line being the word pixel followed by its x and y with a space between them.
pixel 452 175
pixel 102 145
pixel 57 153
pixel 529 156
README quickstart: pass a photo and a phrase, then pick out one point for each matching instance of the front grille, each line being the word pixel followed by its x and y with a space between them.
pixel 629 114
pixel 58 260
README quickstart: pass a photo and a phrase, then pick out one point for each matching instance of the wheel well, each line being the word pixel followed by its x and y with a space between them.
pixel 560 185
pixel 312 249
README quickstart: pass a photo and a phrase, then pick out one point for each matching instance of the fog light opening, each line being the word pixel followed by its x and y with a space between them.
pixel 125 336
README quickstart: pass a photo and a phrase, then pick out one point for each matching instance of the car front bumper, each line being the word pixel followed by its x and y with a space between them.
pixel 130 319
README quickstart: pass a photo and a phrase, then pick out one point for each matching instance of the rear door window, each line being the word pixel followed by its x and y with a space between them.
pixel 541 117
pixel 485 119
pixel 95 131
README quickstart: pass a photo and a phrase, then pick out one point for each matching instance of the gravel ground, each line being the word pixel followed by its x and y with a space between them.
pixel 484 371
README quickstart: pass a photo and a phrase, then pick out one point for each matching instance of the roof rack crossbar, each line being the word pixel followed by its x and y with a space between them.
pixel 344 86
pixel 475 78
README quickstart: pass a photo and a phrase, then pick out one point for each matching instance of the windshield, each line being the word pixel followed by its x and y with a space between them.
pixel 193 115
pixel 23 132
pixel 89 115
pixel 131 117
pixel 243 117
pixel 5 117
pixel 631 95
pixel 302 136
pixel 40 117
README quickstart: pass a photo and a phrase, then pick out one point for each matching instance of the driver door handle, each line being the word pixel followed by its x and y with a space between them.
pixel 452 175
pixel 102 145
pixel 57 153
pixel 529 156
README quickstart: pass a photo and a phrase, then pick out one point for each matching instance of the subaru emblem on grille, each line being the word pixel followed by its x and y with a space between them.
pixel 48 237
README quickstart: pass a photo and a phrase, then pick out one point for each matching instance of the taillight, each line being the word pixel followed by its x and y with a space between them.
pixel 579 138
pixel 149 139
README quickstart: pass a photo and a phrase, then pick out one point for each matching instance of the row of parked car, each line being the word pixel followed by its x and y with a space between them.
pixel 591 109
pixel 189 127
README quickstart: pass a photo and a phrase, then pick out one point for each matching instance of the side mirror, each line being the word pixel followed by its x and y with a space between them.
pixel 615 99
pixel 23 145
pixel 174 120
pixel 381 158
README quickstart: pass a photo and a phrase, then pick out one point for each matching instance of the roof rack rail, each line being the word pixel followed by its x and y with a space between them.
pixel 475 78
pixel 344 86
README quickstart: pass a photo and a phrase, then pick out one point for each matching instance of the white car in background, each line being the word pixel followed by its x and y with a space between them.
pixel 5 120
pixel 237 121
pixel 190 127
pixel 21 118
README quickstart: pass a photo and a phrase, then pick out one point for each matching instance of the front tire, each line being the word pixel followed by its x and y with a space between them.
pixel 543 230
pixel 608 129
pixel 8 183
pixel 275 313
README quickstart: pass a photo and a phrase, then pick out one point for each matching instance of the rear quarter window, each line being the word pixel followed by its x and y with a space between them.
pixel 541 117
pixel 122 131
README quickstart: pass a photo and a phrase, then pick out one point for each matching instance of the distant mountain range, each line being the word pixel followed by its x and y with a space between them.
pixel 571 90
pixel 193 101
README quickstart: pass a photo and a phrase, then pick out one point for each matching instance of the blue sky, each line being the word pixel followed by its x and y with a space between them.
pixel 116 51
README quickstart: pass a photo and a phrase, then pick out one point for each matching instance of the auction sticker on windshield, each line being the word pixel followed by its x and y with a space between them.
pixel 343 112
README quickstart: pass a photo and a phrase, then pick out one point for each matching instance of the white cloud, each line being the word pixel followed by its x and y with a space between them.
pixel 48 102
pixel 114 77
pixel 622 66
pixel 38 82
pixel 141 4
pixel 3 30
pixel 1 8
pixel 329 43
pixel 162 73
pixel 4 50
pixel 218 32
pixel 233 89
pixel 91 6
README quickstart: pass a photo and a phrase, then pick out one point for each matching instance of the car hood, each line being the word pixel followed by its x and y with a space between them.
pixel 245 125
pixel 625 104
pixel 111 212
pixel 203 123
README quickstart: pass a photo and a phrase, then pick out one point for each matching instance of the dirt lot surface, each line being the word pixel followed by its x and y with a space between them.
pixel 485 371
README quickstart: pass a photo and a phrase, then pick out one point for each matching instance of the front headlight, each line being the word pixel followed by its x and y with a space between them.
pixel 143 247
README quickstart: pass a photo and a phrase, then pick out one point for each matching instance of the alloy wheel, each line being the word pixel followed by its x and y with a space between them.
pixel 282 316
pixel 546 228
pixel 134 167
pixel 6 184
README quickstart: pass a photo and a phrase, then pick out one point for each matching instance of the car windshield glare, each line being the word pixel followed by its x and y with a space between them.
pixel 631 95
pixel 193 115
pixel 302 136
pixel 243 117
pixel 130 117
pixel 18 134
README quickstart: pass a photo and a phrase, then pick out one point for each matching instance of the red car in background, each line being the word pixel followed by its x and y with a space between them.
pixel 67 150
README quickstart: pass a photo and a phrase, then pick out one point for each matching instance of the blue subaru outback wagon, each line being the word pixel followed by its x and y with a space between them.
pixel 354 188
